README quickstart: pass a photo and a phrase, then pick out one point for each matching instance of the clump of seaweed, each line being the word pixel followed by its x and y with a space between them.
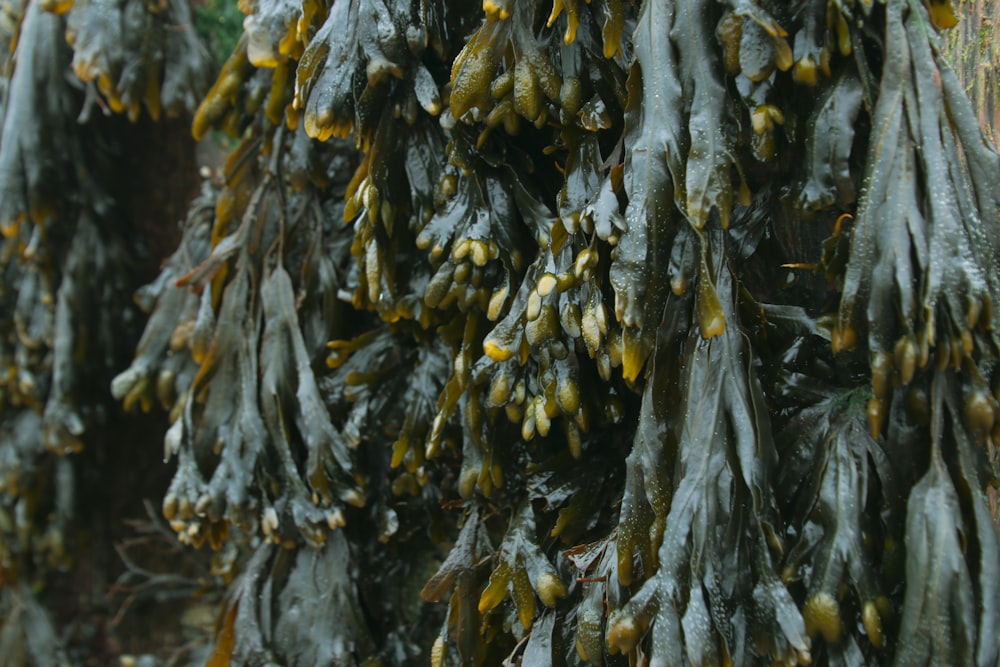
pixel 70 257
pixel 561 303
pixel 606 332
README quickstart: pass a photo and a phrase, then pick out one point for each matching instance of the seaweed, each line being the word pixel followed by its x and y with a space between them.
pixel 558 333
pixel 568 243
pixel 71 256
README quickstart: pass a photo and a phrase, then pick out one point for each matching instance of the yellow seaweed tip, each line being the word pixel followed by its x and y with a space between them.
pixel 624 634
pixel 494 7
pixel 979 413
pixel 805 71
pixel 822 617
pixel 568 396
pixel 437 652
pixel 633 359
pixel 873 624
pixel 499 389
pixel 713 325
pixel 550 589
pixel 942 14
pixel 496 352
pixel 843 339
pixel 875 412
